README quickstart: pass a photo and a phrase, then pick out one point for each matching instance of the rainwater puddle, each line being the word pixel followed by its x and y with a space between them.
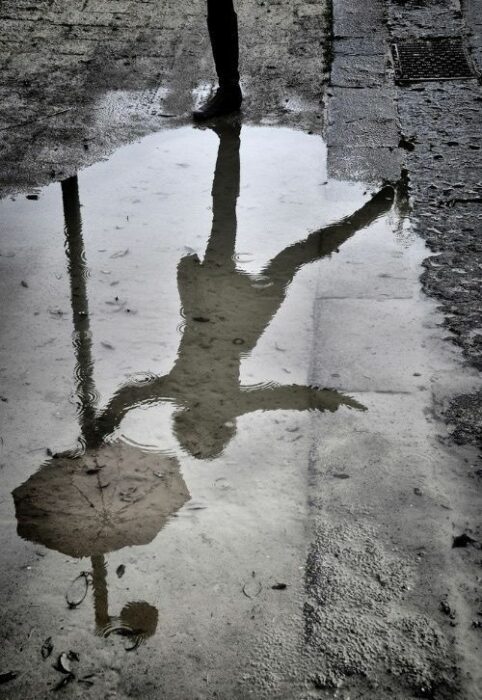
pixel 197 311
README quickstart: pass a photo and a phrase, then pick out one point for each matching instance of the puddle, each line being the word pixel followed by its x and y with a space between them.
pixel 218 304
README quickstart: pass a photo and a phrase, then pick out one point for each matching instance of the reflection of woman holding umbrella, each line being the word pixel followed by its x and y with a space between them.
pixel 226 311
pixel 113 495
pixel 110 496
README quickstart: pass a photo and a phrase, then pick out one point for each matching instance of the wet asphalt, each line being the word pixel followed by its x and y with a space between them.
pixel 225 469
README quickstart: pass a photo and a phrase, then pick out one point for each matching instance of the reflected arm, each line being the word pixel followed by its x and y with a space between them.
pixel 294 397
pixel 328 239
pixel 126 398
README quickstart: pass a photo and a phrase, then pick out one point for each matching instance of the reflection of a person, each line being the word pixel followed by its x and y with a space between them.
pixel 223 33
pixel 226 311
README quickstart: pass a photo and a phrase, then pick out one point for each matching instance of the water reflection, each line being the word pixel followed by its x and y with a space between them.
pixel 225 313
pixel 109 495
pixel 105 496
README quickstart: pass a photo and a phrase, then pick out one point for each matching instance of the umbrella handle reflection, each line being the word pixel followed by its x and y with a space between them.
pixel 101 600
pixel 137 620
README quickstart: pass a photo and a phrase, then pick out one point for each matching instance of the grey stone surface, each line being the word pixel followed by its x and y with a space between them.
pixel 443 122
pixel 359 515
pixel 361 123
pixel 81 78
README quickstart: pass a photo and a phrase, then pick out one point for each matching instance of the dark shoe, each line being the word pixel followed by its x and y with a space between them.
pixel 225 101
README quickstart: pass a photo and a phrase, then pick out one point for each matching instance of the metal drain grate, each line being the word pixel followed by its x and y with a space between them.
pixel 434 58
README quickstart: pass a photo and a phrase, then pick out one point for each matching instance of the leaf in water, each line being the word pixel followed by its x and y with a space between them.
pixel 120 571
pixel 63 664
pixel 120 253
pixel 63 682
pixel 462 540
pixel 107 345
pixel 7 677
pixel 47 648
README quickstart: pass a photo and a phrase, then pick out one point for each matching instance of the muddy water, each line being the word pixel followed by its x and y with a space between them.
pixel 183 324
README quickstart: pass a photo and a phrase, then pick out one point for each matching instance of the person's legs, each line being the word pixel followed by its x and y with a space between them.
pixel 223 32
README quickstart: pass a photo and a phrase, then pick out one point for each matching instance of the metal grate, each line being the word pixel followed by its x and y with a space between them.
pixel 434 58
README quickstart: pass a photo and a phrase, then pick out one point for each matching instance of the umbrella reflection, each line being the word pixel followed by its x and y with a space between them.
pixel 108 495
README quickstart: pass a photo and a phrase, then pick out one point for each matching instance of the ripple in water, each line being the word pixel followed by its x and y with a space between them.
pixel 243 257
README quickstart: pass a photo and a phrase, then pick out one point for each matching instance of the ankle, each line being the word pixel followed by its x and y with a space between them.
pixel 230 87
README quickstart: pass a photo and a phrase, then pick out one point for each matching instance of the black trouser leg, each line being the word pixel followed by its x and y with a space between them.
pixel 223 32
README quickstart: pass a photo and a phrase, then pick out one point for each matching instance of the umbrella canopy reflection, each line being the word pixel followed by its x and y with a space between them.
pixel 111 497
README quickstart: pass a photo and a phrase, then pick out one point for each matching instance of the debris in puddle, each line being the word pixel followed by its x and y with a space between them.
pixel 47 648
pixel 201 319
pixel 120 253
pixel 341 475
pixel 135 644
pixel 24 284
pixel 238 341
pixel 8 676
pixel 108 346
pixel 417 491
pixel 32 197
pixel 87 680
pixel 120 571
pixel 77 590
pixel 252 589
pixel 446 609
pixel 130 633
pixel 406 143
pixel 120 305
pixel 462 540
pixel 63 662
pixel 222 483
pixel 56 313
pixel 63 682
pixel 279 586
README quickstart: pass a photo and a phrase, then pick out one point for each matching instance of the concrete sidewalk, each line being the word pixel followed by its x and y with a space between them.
pixel 319 554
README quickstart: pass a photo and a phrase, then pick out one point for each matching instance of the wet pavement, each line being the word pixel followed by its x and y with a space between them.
pixel 214 371
pixel 225 469
pixel 84 78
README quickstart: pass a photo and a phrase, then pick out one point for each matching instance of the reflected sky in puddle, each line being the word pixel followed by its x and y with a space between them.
pixel 188 329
